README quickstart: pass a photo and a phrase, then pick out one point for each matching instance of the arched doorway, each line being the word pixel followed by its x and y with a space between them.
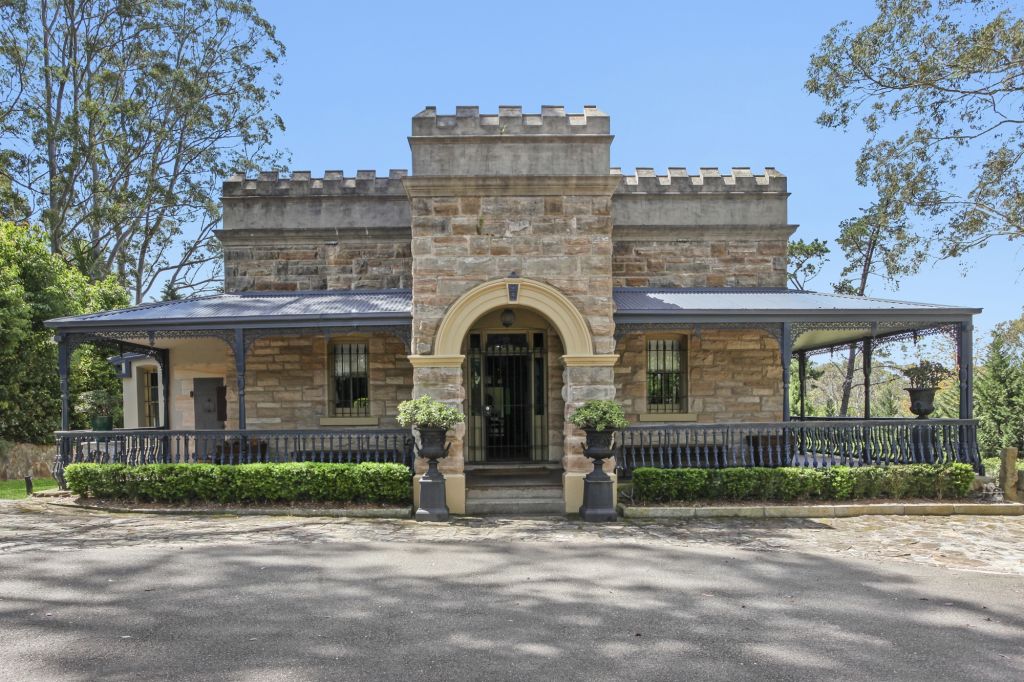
pixel 443 373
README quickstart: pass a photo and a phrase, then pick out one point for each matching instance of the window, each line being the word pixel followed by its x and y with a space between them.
pixel 351 380
pixel 666 375
pixel 149 385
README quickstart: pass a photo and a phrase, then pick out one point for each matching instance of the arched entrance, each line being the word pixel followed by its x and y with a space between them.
pixel 447 375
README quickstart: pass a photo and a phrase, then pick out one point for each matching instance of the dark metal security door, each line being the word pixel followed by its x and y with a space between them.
pixel 506 377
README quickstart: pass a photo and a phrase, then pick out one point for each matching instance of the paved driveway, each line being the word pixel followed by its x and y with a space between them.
pixel 102 596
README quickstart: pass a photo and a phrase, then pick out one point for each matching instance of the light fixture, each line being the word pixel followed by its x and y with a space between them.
pixel 508 317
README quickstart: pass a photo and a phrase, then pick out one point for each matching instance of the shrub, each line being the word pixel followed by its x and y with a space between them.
pixel 428 412
pixel 599 415
pixel 785 484
pixel 246 483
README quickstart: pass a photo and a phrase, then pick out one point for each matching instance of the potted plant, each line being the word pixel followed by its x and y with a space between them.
pixel 432 419
pixel 598 419
pixel 924 378
pixel 98 407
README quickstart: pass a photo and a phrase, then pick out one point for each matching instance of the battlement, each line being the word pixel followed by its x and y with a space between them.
pixel 301 184
pixel 510 121
pixel 709 180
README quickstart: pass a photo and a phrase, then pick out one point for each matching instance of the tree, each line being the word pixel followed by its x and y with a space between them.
pixel 938 86
pixel 121 117
pixel 999 398
pixel 876 246
pixel 35 286
pixel 805 261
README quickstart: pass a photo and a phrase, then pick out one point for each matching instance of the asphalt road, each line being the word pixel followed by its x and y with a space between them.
pixel 497 608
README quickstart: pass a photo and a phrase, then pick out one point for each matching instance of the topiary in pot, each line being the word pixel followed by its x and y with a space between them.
pixel 598 419
pixel 432 419
pixel 924 378
pixel 98 406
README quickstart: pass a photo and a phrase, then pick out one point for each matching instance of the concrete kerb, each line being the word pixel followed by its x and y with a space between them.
pixel 371 513
pixel 813 511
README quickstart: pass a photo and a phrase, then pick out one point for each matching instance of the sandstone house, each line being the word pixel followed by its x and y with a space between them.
pixel 512 272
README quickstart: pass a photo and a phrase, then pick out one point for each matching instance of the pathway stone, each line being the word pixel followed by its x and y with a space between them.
pixel 978 543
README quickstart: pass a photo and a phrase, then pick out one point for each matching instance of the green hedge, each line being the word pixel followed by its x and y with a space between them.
pixel 786 484
pixel 244 483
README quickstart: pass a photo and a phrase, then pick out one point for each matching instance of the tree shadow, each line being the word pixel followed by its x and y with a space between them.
pixel 497 609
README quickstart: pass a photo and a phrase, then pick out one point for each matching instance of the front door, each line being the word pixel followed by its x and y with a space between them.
pixel 506 376
pixel 209 396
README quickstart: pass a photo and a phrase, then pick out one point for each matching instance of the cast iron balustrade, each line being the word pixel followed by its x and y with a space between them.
pixel 818 443
pixel 156 446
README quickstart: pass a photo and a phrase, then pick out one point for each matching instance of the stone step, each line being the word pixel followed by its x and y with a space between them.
pixel 530 492
pixel 514 506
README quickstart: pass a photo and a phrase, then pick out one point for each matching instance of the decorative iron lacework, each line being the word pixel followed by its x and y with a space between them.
pixel 250 336
pixel 879 336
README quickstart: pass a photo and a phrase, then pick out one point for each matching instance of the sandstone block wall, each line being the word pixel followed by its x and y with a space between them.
pixel 734 376
pixel 459 242
pixel 350 262
pixel 286 381
pixel 735 260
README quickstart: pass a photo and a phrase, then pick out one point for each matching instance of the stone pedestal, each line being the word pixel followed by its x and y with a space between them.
pixel 1008 475
pixel 432 499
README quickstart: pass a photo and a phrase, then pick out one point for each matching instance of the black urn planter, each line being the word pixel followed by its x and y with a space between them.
pixel 922 401
pixel 102 423
pixel 432 506
pixel 598 487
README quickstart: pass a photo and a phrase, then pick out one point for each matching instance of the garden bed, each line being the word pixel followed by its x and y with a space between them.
pixel 837 484
pixel 244 484
pixel 344 510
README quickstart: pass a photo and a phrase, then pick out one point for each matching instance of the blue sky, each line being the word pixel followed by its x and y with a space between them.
pixel 694 84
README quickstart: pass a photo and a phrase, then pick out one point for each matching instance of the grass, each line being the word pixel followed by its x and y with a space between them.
pixel 15 490
pixel 992 465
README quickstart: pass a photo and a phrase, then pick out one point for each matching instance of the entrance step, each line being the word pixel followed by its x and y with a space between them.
pixel 514 495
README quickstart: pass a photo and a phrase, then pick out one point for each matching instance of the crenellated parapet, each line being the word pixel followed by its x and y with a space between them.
pixel 707 181
pixel 511 143
pixel 510 121
pixel 302 184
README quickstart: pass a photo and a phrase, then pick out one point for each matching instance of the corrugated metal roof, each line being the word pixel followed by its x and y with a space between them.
pixel 255 306
pixel 765 301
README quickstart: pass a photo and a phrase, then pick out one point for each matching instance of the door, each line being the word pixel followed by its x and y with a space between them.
pixel 209 396
pixel 506 377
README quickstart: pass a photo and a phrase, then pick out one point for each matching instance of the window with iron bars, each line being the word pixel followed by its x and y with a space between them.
pixel 351 380
pixel 666 375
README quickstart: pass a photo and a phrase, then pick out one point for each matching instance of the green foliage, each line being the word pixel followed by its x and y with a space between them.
pixel 806 260
pixel 428 412
pixel 937 87
pixel 15 489
pixel 994 464
pixel 999 398
pixel 120 137
pixel 599 415
pixel 788 484
pixel 926 374
pixel 97 403
pixel 35 286
pixel 382 483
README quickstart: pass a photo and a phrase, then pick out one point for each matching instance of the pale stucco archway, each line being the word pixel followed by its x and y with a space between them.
pixel 510 293
pixel 586 375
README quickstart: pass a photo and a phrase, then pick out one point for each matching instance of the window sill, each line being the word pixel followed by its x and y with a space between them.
pixel 349 421
pixel 667 417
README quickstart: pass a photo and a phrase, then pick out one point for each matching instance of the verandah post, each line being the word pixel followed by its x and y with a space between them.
pixel 63 368
pixel 239 348
pixel 965 365
pixel 867 378
pixel 785 350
